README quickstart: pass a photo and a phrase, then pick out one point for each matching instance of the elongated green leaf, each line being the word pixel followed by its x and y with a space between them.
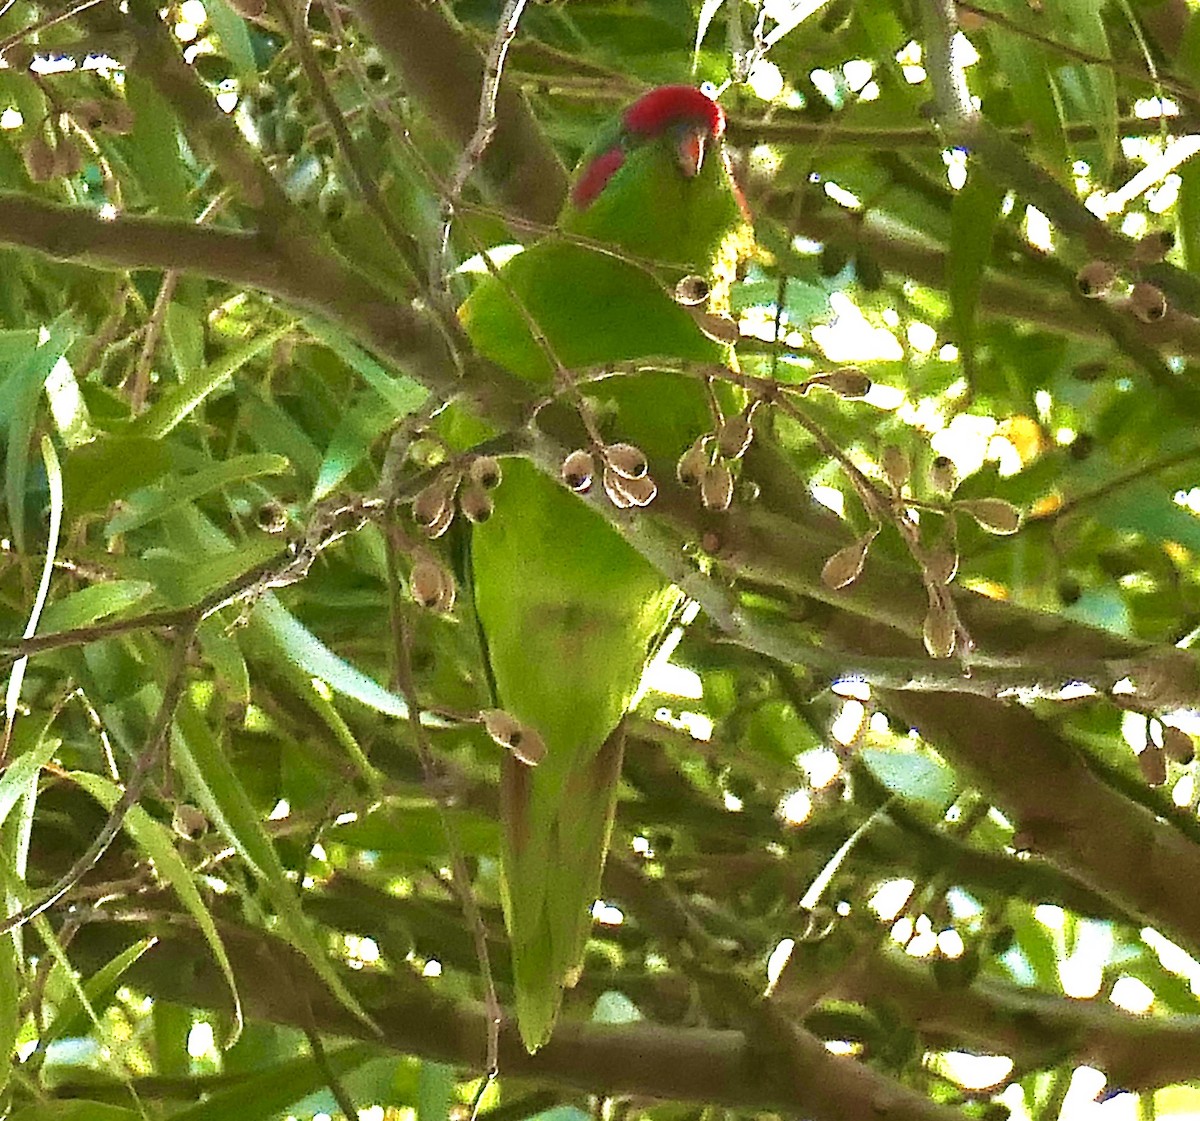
pixel 235 38
pixel 154 152
pixel 10 1006
pixel 913 776
pixel 272 1091
pixel 95 602
pixel 177 404
pixel 149 505
pixel 56 1110
pixel 972 226
pixel 435 1091
pixel 104 470
pixel 359 427
pixel 220 794
pixel 403 394
pixel 155 840
pixel 72 1018
pixel 301 647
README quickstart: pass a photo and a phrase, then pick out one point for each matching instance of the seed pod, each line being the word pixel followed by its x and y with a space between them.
pixel 640 492
pixel 189 822
pixel 516 737
pixel 943 478
pixel 89 112
pixel 272 517
pixel 39 158
pixel 433 500
pixel 118 116
pixel 485 470
pixel 734 436
pixel 941 566
pixel 578 470
pixel 716 487
pixel 475 502
pixel 1152 762
pixel 845 566
pixel 849 381
pixel 993 514
pixel 614 487
pixel 431 585
pixel 1178 744
pixel 693 462
pixel 896 466
pixel 1095 279
pixel 626 460
pixel 692 290
pixel 442 523
pixel 1147 302
pixel 940 631
pixel 719 328
pixel 1153 247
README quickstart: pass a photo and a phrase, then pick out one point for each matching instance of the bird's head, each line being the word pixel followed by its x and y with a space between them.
pixel 658 182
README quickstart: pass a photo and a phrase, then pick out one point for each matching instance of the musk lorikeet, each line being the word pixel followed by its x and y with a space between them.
pixel 568 609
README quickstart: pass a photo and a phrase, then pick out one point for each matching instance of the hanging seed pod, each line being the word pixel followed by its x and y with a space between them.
pixel 1153 247
pixel 1147 302
pixel 118 117
pixel 640 492
pixel 940 631
pixel 943 477
pixel 941 566
pixel 993 514
pixel 1152 762
pixel 39 159
pixel 849 382
pixel 438 527
pixel 693 462
pixel 475 502
pixel 846 565
pixel 432 587
pixel 1178 744
pixel 272 517
pixel 1095 279
pixel 897 467
pixel 68 159
pixel 510 733
pixel 719 328
pixel 88 112
pixel 433 500
pixel 716 487
pixel 692 290
pixel 189 822
pixel 614 487
pixel 626 460
pixel 734 435
pixel 485 470
pixel 578 470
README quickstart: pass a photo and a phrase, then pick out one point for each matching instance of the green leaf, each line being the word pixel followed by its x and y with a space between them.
pixel 403 394
pixel 58 1110
pixel 235 39
pixel 81 608
pixel 973 217
pixel 154 151
pixel 224 799
pixel 358 429
pixel 156 841
pixel 178 403
pixel 146 506
pixel 435 1091
pixel 914 776
pixel 72 1018
pixel 98 473
pixel 10 1005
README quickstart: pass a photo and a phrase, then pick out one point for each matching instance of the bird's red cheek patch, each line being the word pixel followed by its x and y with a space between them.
pixel 594 178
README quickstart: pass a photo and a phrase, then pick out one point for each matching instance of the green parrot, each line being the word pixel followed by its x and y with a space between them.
pixel 569 611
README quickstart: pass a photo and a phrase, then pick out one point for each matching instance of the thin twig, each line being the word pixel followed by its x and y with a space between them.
pixel 46 21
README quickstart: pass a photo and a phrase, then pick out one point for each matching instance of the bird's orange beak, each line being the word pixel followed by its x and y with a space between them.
pixel 690 152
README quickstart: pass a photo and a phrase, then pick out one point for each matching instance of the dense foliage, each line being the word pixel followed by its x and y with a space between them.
pixel 903 787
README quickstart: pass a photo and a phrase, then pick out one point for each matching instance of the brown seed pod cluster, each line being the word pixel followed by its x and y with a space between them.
pixel 45 161
pixel 1174 746
pixel 707 462
pixel 1145 301
pixel 471 482
pixel 432 585
pixel 624 473
pixel 102 115
pixel 846 565
pixel 506 730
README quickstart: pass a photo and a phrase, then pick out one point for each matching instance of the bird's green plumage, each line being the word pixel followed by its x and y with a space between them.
pixel 568 608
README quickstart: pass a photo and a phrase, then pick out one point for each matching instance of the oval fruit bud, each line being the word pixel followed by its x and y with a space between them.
pixel 627 460
pixel 511 734
pixel 189 822
pixel 993 514
pixel 431 585
pixel 719 328
pixel 1152 762
pixel 1153 247
pixel 845 566
pixel 940 631
pixel 941 566
pixel 485 470
pixel 614 487
pixel 433 500
pixel 442 523
pixel 68 159
pixel 734 436
pixel 39 159
pixel 578 470
pixel 693 462
pixel 1178 744
pixel 716 487
pixel 1147 302
pixel 692 290
pixel 640 492
pixel 896 466
pixel 475 502
pixel 272 517
pixel 943 477
pixel 849 381
pixel 1095 279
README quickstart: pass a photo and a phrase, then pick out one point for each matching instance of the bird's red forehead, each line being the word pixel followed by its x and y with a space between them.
pixel 656 111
